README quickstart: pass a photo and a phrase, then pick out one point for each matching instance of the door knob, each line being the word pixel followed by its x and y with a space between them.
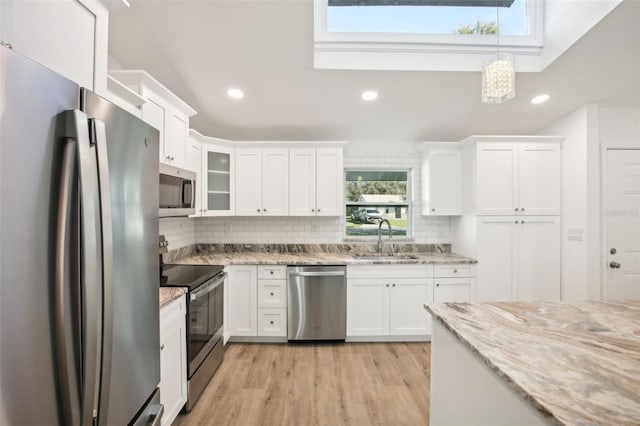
pixel 614 265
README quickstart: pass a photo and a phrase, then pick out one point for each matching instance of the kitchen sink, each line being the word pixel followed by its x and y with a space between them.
pixel 384 256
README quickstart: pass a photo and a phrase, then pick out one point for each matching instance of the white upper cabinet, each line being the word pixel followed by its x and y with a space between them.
pixel 248 182
pixel 262 182
pixel 164 111
pixel 539 187
pixel 218 177
pixel 302 182
pixel 513 175
pixel 275 182
pixel 69 36
pixel 330 182
pixel 315 183
pixel 441 180
pixel 496 178
pixel 193 162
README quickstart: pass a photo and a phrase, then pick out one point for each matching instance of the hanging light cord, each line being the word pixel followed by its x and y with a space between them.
pixel 498 28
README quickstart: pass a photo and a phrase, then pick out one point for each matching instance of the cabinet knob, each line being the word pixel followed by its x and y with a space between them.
pixel 271 272
pixel 516 221
pixel 271 322
pixel 386 285
pixel 393 285
pixel 433 210
pixel 318 210
pixel 614 265
pixel 271 294
pixel 258 210
pixel 264 210
pixel 313 210
pixel 516 209
pixel 522 222
pixel 438 285
pixel 162 347
pixel 455 271
pixel 522 209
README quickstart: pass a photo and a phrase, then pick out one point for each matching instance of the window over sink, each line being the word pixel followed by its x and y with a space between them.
pixel 372 195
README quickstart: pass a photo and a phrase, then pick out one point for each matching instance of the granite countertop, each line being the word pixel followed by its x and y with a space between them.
pixel 318 258
pixel 169 294
pixel 576 363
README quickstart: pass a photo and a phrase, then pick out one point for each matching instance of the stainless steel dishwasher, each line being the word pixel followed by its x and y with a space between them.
pixel 317 298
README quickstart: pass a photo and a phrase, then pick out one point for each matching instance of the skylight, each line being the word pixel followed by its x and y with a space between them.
pixel 428 19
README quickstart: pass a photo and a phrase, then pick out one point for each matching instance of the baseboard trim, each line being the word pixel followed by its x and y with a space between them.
pixel 424 338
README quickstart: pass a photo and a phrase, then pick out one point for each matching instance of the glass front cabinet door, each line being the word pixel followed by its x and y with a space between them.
pixel 218 176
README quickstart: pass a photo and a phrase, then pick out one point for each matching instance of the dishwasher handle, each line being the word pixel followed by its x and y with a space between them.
pixel 318 274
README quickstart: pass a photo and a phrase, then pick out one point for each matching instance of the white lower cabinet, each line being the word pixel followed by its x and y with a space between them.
pixel 385 300
pixel 518 258
pixel 243 300
pixel 257 301
pixel 173 359
pixel 454 283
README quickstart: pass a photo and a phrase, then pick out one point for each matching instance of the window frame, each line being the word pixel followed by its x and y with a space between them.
pixel 410 204
pixel 332 50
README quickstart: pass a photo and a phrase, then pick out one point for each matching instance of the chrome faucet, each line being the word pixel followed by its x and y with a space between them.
pixel 380 233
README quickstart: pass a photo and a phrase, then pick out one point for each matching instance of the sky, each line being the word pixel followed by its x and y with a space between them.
pixel 424 19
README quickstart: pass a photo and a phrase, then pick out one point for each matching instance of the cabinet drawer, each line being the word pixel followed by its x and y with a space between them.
pixel 452 271
pixel 390 271
pixel 272 322
pixel 272 293
pixel 454 290
pixel 278 272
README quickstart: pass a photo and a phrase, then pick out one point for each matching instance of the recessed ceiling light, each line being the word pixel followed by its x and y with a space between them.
pixel 540 99
pixel 369 95
pixel 235 93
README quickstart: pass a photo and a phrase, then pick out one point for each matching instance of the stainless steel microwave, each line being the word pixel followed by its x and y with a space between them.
pixel 177 191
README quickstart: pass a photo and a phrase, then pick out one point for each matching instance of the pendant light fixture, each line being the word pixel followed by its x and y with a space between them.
pixel 498 75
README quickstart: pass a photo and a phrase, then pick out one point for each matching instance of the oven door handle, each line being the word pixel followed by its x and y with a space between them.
pixel 209 287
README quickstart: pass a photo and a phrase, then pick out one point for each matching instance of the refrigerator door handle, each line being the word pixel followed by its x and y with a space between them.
pixel 100 139
pixel 76 128
pixel 65 365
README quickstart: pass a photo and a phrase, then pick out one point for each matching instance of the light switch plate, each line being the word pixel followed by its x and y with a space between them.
pixel 575 234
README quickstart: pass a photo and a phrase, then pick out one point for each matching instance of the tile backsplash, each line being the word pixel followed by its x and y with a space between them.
pixel 181 232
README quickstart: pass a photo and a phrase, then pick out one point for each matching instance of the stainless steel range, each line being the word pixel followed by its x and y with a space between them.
pixel 205 313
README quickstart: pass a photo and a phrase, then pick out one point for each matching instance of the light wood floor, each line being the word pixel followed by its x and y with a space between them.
pixel 317 384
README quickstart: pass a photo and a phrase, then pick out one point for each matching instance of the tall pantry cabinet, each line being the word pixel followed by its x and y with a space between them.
pixel 511 191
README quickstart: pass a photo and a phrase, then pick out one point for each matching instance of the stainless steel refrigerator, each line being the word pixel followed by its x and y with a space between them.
pixel 79 326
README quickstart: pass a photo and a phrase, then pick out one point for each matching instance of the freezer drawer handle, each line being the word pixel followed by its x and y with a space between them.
pixel 156 417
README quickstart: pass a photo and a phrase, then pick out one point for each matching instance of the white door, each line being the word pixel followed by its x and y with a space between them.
pixel 248 182
pixel 622 224
pixel 496 258
pixel 329 186
pixel 407 298
pixel 275 182
pixel 444 182
pixel 243 300
pixel 302 182
pixel 496 171
pixel 539 179
pixel 368 307
pixel 538 258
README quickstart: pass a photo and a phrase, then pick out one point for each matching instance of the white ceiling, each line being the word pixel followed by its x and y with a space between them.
pixel 198 49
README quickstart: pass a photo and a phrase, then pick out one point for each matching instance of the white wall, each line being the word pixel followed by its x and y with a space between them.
pixel 620 127
pixel 328 230
pixel 580 198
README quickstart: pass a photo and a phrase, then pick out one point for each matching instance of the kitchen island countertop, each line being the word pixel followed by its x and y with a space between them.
pixel 575 363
